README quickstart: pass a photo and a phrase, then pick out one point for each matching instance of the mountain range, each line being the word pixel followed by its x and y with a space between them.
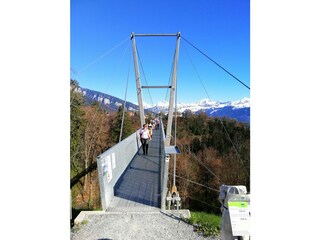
pixel 108 102
pixel 239 110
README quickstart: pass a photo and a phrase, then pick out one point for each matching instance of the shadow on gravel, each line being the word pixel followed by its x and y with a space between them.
pixel 104 239
pixel 174 217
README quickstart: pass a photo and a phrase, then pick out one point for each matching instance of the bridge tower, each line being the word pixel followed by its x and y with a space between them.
pixel 173 195
pixel 172 87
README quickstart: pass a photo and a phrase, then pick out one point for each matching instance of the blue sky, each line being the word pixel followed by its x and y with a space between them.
pixel 101 54
pixel 284 69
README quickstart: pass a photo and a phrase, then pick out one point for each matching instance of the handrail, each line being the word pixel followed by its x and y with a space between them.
pixel 112 163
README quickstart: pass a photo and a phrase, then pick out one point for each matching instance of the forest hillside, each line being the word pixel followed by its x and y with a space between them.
pixel 214 151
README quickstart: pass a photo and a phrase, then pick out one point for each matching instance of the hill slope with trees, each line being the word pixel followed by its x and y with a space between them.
pixel 213 151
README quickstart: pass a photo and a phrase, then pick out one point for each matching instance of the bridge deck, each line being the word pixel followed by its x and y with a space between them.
pixel 139 186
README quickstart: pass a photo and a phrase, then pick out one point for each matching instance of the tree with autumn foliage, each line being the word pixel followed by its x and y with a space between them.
pixel 127 129
pixel 96 141
pixel 89 137
pixel 214 151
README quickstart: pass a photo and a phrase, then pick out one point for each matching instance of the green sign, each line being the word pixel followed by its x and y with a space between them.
pixel 239 217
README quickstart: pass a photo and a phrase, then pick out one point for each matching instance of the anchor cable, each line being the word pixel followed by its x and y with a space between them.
pixel 102 56
pixel 125 101
pixel 224 128
pixel 216 63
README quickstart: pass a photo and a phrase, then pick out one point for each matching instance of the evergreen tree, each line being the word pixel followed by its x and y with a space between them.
pixel 76 128
pixel 128 126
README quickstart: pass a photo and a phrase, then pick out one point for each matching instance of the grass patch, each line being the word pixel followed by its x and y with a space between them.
pixel 76 212
pixel 84 222
pixel 206 223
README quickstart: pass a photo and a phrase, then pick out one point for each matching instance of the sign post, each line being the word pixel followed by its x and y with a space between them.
pixel 239 214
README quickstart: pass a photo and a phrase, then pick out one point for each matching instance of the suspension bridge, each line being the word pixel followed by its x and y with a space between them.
pixel 135 183
pixel 143 179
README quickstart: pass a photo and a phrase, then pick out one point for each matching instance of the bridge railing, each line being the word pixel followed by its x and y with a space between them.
pixel 112 163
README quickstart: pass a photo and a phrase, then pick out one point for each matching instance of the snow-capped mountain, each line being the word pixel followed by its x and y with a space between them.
pixel 203 105
pixel 239 110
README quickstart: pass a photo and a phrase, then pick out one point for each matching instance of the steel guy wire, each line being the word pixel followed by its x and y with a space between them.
pixel 125 101
pixel 102 56
pixel 195 157
pixel 216 63
pixel 144 74
pixel 117 67
pixel 188 180
pixel 225 130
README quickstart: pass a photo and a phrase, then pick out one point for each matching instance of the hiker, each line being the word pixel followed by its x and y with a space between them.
pixel 145 137
pixel 150 130
pixel 157 124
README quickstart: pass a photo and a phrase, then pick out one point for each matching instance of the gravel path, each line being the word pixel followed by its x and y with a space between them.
pixel 142 226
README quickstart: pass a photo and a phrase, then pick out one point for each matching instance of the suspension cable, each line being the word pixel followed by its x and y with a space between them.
pixel 103 55
pixel 216 63
pixel 195 157
pixel 144 74
pixel 91 123
pixel 169 79
pixel 116 68
pixel 194 68
pixel 188 180
pixel 125 101
pixel 224 128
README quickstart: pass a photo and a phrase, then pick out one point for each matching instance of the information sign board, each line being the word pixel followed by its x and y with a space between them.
pixel 239 216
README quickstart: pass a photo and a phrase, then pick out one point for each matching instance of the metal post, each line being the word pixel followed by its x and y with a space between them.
pixel 174 169
pixel 136 67
pixel 172 92
pixel 175 138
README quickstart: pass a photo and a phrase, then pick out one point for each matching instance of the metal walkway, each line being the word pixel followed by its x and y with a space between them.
pixel 138 189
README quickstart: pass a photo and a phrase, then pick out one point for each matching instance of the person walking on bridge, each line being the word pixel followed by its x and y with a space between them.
pixel 150 130
pixel 145 137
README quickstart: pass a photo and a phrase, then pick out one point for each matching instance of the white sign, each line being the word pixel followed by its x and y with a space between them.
pixel 106 168
pixel 113 157
pixel 240 218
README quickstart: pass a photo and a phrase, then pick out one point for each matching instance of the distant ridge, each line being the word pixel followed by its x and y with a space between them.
pixel 239 110
pixel 108 102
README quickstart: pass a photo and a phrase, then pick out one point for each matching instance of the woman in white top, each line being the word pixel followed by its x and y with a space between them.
pixel 145 137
